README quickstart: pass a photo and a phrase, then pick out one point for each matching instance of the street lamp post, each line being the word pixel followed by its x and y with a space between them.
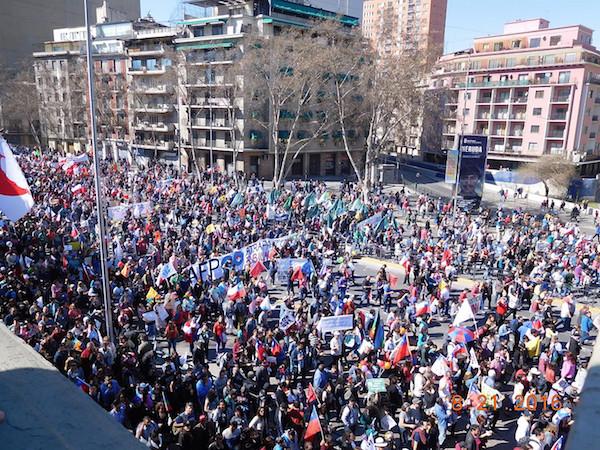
pixel 98 185
pixel 467 52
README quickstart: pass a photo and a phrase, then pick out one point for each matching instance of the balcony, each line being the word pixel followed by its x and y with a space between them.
pixel 515 149
pixel 484 131
pixel 154 145
pixel 520 100
pixel 517 132
pixel 218 124
pixel 507 83
pixel 210 103
pixel 500 116
pixel 157 70
pixel 147 50
pixel 556 134
pixel 553 150
pixel 152 89
pixel 215 144
pixel 485 99
pixel 154 108
pixel 502 99
pixel 558 116
pixel 449 130
pixel 517 117
pixel 156 127
pixel 485 117
pixel 499 132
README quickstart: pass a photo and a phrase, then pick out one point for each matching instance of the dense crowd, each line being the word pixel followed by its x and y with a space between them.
pixel 245 357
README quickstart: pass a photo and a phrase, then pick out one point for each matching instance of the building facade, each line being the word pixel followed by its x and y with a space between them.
pixel 215 123
pixel 533 90
pixel 405 24
pixel 175 102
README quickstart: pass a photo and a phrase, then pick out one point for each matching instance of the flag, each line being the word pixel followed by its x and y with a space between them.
pixel 376 332
pixel 152 294
pixel 311 395
pixel 297 274
pixel 257 269
pixel 287 318
pixel 473 362
pixel 15 196
pixel 405 262
pixel 238 200
pixel 74 232
pixel 126 270
pixel 236 291
pixel 422 308
pixel 273 196
pixel 82 385
pixel 313 427
pixel 310 200
pixel 401 351
pixel 464 313
pixel 167 271
pixel 393 280
pixel 474 395
pixel 78 189
pixel 440 366
pixel 558 445
pixel 288 203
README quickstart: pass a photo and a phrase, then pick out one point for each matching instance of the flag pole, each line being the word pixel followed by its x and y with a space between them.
pixel 98 183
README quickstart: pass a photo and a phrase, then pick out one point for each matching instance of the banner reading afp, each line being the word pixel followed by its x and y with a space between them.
pixel 471 177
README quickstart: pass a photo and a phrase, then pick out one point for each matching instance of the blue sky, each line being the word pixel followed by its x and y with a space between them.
pixel 467 19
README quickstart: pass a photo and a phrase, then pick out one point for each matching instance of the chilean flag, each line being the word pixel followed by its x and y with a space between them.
pixel 401 351
pixel 257 269
pixel 313 427
pixel 236 291
pixel 422 308
pixel 78 189
pixel 558 445
pixel 15 196
pixel 311 395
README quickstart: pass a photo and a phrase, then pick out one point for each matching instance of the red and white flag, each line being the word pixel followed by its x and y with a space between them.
pixel 78 189
pixel 15 196
pixel 422 308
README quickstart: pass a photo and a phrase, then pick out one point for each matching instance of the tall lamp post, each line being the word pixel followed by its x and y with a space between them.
pixel 467 52
pixel 98 185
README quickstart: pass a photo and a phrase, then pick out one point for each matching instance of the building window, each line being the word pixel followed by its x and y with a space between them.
pixel 217 29
pixel 594 118
pixel 539 94
pixel 498 46
pixel 571 57
pixel 592 135
pixel 537 111
pixel 534 42
pixel 198 31
pixel 486 47
pixel 535 128
pixel 466 111
pixel 564 77
pixel 554 40
pixel 516 44
pixel 511 62
pixel 533 146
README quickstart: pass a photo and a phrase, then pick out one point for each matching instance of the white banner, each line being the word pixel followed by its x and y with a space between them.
pixel 336 323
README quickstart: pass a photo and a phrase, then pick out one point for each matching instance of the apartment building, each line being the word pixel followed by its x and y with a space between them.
pixel 393 26
pixel 534 90
pixel 61 82
pixel 153 85
pixel 213 124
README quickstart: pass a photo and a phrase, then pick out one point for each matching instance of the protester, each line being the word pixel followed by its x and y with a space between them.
pixel 221 291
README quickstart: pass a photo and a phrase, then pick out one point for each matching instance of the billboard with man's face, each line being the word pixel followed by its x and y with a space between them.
pixel 471 177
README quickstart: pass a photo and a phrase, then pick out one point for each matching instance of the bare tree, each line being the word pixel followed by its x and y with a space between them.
pixel 19 98
pixel 286 90
pixel 554 171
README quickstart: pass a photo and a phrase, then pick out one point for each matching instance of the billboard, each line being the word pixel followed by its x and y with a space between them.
pixel 471 176
pixel 451 166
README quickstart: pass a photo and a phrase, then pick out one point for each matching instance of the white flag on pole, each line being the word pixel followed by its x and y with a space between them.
pixel 15 196
pixel 474 363
pixel 464 313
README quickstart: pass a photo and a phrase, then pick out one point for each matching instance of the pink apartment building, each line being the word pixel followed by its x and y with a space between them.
pixel 534 90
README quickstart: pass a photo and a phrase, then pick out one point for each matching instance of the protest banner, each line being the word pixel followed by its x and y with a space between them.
pixel 336 323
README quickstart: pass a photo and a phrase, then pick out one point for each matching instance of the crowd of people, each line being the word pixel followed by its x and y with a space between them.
pixel 221 347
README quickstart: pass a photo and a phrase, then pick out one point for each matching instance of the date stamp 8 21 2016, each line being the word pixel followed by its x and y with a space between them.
pixel 528 402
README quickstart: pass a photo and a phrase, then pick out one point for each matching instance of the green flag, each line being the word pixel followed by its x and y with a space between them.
pixel 288 203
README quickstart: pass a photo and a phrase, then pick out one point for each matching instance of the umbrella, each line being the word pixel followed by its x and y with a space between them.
pixel 461 335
